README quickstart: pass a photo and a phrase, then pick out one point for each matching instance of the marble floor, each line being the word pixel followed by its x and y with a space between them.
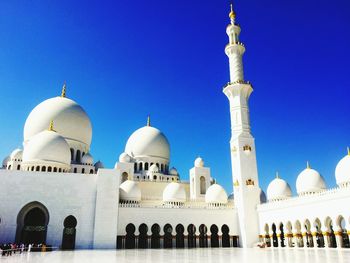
pixel 219 255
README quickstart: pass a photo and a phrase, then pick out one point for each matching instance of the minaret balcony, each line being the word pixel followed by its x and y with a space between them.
pixel 234 48
pixel 237 82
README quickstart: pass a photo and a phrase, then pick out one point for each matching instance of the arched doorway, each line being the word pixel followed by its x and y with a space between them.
pixel 319 235
pixel 130 236
pixel 143 236
pixel 282 234
pixel 203 237
pixel 69 233
pixel 155 238
pixel 343 232
pixel 180 236
pixel 124 177
pixel 308 235
pixel 225 236
pixel 274 235
pixel 32 221
pixel 191 229
pixel 168 237
pixel 214 238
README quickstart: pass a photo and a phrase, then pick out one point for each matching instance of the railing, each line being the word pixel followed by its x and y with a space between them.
pixel 185 205
pixel 309 196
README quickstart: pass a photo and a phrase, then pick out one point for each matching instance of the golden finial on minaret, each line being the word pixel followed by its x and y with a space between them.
pixel 232 13
pixel 148 120
pixel 63 93
pixel 348 151
pixel 308 165
pixel 51 126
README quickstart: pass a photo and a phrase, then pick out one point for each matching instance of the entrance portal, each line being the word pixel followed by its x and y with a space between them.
pixel 32 223
pixel 69 232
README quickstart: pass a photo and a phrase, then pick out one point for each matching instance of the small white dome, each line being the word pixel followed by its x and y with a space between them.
pixel 173 172
pixel 278 189
pixel 231 196
pixel 148 142
pixel 216 194
pixel 262 197
pixel 174 192
pixel 124 158
pixel 71 121
pixel 153 169
pixel 47 146
pixel 199 162
pixel 129 191
pixel 99 165
pixel 4 162
pixel 309 181
pixel 87 159
pixel 342 171
pixel 16 154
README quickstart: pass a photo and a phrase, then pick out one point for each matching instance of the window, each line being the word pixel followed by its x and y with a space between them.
pixel 202 185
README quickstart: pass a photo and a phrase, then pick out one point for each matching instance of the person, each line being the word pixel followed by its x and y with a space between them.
pixel 21 248
pixel 29 247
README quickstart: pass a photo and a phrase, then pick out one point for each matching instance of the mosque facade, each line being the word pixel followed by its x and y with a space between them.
pixel 53 191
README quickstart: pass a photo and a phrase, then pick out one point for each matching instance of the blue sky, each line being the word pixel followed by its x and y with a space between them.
pixel 123 60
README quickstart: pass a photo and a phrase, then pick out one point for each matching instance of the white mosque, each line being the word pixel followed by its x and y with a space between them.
pixel 53 192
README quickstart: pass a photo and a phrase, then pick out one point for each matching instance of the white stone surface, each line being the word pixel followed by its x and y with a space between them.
pixel 218 255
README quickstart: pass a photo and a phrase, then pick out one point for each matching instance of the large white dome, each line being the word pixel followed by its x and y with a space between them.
pixel 47 146
pixel 278 189
pixel 129 191
pixel 71 121
pixel 174 192
pixel 342 171
pixel 310 181
pixel 148 142
pixel 216 195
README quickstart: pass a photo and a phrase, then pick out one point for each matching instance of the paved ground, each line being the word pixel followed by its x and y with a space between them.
pixel 221 255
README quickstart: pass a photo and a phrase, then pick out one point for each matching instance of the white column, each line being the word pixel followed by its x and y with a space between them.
pixel 325 234
pixel 339 237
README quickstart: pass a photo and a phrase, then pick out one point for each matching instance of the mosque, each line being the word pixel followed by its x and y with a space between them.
pixel 64 198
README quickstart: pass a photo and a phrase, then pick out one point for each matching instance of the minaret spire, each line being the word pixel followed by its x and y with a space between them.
pixel 232 14
pixel 243 152
pixel 148 120
pixel 63 93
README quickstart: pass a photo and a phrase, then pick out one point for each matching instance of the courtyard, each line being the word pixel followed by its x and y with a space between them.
pixel 216 255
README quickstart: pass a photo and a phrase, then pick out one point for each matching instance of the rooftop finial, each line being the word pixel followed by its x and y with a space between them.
pixel 308 165
pixel 63 93
pixel 348 151
pixel 148 120
pixel 51 126
pixel 232 14
pixel 277 175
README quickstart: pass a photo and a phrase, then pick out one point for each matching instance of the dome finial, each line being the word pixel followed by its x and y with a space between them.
pixel 232 14
pixel 51 126
pixel 277 175
pixel 348 151
pixel 63 93
pixel 308 165
pixel 148 120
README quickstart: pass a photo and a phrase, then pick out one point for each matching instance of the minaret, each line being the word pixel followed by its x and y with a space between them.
pixel 243 157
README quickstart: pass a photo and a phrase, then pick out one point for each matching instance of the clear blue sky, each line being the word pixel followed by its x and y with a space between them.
pixel 125 59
